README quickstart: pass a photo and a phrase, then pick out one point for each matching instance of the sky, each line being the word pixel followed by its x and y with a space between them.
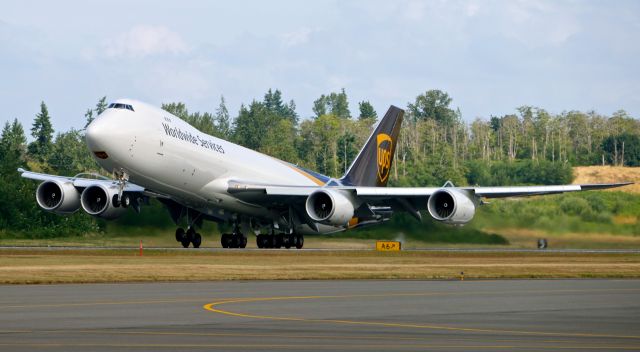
pixel 490 56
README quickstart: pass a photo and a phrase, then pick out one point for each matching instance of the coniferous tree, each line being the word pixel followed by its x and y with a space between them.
pixel 339 104
pixel 89 117
pixel 223 121
pixel 101 105
pixel 335 104
pixel 42 131
pixel 273 102
pixel 367 111
pixel 12 146
pixel 290 112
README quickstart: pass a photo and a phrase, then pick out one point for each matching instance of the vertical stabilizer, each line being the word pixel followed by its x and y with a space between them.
pixel 372 166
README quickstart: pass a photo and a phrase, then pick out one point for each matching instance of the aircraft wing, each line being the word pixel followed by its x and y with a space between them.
pixel 482 192
pixel 79 182
pixel 264 192
pixel 409 199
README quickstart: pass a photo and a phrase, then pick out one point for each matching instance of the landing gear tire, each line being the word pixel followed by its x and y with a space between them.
pixel 263 241
pixel 115 201
pixel 233 240
pixel 197 240
pixel 179 234
pixel 125 201
pixel 189 237
pixel 224 240
pixel 279 240
pixel 299 241
pixel 271 243
pixel 183 237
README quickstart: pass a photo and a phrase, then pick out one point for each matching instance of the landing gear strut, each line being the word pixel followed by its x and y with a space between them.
pixel 188 237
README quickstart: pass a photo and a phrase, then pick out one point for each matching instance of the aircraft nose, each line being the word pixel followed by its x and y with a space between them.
pixel 97 136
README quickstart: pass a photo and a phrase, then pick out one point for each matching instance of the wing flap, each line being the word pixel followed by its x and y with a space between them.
pixel 395 191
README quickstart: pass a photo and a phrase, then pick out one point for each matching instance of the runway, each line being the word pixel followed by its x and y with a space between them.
pixel 430 249
pixel 522 315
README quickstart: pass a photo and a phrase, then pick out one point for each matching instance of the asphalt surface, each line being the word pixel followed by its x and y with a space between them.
pixel 511 315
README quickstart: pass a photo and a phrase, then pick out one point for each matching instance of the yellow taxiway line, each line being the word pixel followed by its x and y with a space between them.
pixel 215 308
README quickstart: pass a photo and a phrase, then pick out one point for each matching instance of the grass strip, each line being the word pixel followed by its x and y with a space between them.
pixel 85 266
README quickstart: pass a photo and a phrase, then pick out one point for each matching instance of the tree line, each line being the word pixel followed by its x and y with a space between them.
pixel 436 144
pixel 529 146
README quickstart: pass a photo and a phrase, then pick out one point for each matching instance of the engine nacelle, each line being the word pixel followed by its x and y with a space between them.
pixel 101 201
pixel 58 196
pixel 329 207
pixel 451 206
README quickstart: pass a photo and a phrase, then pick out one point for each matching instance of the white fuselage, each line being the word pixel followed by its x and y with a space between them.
pixel 164 154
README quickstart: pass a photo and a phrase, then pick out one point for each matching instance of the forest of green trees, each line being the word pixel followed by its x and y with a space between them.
pixel 530 146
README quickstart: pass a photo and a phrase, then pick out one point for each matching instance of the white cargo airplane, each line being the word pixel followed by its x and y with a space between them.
pixel 153 153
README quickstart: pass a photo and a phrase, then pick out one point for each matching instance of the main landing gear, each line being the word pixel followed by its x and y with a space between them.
pixel 188 237
pixel 280 240
pixel 234 240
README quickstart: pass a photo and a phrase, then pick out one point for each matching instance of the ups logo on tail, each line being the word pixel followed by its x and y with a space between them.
pixel 385 151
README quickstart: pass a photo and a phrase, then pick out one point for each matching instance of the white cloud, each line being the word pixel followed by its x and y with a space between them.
pixel 144 40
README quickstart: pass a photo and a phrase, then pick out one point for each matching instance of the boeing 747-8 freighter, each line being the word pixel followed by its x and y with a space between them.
pixel 153 153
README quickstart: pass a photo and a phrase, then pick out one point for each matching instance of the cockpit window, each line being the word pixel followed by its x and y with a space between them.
pixel 120 106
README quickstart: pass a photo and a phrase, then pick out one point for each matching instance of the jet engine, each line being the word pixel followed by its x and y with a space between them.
pixel 329 207
pixel 101 201
pixel 451 206
pixel 58 196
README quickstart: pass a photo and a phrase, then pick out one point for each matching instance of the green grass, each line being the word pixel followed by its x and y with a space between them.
pixel 587 212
